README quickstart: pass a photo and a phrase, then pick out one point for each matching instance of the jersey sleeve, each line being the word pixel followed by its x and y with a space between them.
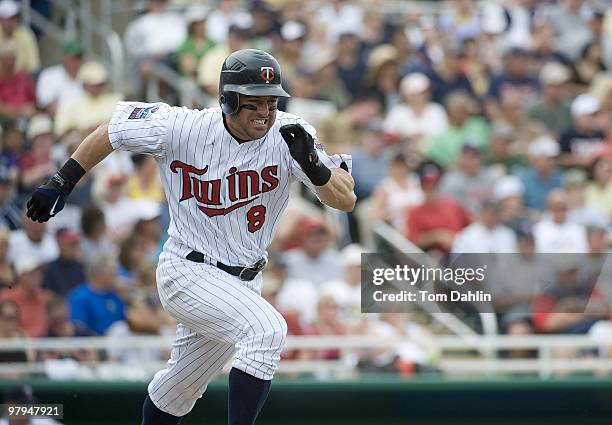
pixel 140 127
pixel 330 161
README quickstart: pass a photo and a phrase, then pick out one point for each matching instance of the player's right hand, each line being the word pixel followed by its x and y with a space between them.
pixel 46 201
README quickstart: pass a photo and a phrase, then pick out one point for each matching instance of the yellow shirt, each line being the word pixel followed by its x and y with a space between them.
pixel 210 65
pixel 154 192
pixel 600 198
pixel 86 113
pixel 28 57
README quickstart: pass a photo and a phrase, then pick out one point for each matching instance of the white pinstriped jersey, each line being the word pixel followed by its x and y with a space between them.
pixel 225 197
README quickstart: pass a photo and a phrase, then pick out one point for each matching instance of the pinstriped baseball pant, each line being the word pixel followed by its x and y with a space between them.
pixel 218 315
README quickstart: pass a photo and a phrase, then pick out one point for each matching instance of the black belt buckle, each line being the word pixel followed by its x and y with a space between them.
pixel 249 273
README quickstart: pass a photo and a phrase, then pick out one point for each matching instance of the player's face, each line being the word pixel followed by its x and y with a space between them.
pixel 255 117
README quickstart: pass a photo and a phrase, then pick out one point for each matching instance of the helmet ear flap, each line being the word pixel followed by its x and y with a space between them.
pixel 229 102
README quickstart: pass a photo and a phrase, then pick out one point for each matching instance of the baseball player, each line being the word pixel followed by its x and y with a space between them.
pixel 226 173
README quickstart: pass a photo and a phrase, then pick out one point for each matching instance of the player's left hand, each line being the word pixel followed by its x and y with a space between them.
pixel 46 201
pixel 301 147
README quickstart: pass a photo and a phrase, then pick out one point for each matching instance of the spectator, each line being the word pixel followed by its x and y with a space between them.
pixel 370 162
pixel 351 62
pixel 17 95
pixel 120 212
pixel 460 20
pixel 10 317
pixel 95 240
pixel 487 235
pixel 328 322
pixel 542 175
pixel 338 17
pixel 589 64
pixel 37 165
pixel 322 67
pixel 448 77
pixel 501 158
pixel 382 75
pixel 432 226
pixel 94 108
pixel 29 296
pixel 154 36
pixel 553 108
pixel 28 58
pixel 296 298
pixel 10 213
pixel 32 241
pixel 346 292
pixel 58 85
pixel 131 257
pixel 508 192
pixel 144 183
pixel 264 26
pixel 580 142
pixel 210 65
pixel 571 305
pixel 396 194
pixel 555 233
pixel 197 43
pixel 470 183
pixel 222 17
pixel 96 304
pixel 574 184
pixel 417 118
pixel 598 192
pixel 571 30
pixel 291 50
pixel 7 274
pixel 314 261
pixel 445 147
pixel 514 81
pixel 61 276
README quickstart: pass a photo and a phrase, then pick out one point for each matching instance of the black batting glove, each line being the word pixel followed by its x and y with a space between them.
pixel 50 198
pixel 301 147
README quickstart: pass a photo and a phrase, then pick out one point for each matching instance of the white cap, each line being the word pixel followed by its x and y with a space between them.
pixel 292 30
pixel 39 124
pixel 9 8
pixel 544 146
pixel 25 264
pixel 507 187
pixel 414 83
pixel 494 20
pixel 351 255
pixel 554 73
pixel 196 13
pixel 93 73
pixel 585 104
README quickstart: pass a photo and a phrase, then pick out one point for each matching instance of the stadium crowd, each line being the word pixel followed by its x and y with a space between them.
pixel 483 128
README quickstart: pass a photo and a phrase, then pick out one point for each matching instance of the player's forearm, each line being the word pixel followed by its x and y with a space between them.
pixel 94 148
pixel 338 191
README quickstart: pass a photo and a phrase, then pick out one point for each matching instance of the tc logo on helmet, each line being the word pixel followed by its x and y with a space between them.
pixel 267 74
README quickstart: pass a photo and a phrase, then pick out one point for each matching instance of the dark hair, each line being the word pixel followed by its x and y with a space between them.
pixel 129 245
pixel 593 166
pixel 91 216
pixel 138 159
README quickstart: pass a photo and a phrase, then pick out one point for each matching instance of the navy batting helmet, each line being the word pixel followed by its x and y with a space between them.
pixel 250 72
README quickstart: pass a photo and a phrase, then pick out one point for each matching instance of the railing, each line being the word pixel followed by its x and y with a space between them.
pixel 403 247
pixel 456 355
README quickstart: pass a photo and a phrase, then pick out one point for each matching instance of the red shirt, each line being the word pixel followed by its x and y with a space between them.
pixel 444 213
pixel 17 90
pixel 32 313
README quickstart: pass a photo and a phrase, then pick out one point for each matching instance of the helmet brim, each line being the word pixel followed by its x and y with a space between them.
pixel 257 89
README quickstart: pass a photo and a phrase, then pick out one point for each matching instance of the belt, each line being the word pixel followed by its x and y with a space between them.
pixel 243 273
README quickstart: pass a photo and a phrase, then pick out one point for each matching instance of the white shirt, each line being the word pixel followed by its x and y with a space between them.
pixel 316 270
pixel 21 246
pixel 155 34
pixel 55 85
pixel 567 237
pixel 301 296
pixel 225 197
pixel 476 238
pixel 402 120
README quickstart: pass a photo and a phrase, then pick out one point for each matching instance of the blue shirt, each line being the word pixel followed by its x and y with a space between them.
pixel 94 310
pixel 536 189
pixel 368 171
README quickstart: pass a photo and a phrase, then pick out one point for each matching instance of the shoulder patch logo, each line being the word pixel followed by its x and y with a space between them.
pixel 142 113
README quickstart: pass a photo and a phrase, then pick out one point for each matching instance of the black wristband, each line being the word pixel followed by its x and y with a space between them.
pixel 318 173
pixel 68 176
